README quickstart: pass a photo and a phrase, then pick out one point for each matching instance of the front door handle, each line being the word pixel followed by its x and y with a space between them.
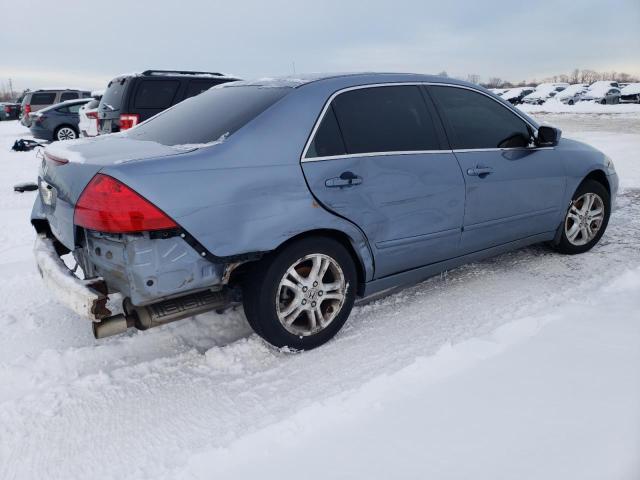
pixel 346 179
pixel 479 171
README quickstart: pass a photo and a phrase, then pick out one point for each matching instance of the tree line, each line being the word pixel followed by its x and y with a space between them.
pixel 576 76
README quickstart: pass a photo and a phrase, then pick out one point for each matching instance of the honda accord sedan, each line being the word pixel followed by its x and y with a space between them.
pixel 295 196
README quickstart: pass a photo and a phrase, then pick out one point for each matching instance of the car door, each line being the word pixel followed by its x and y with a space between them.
pixel 513 190
pixel 379 158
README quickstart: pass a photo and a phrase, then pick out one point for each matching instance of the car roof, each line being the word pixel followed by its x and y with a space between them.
pixel 67 102
pixel 347 79
pixel 174 73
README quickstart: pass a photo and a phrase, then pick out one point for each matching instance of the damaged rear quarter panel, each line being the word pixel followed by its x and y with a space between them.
pixel 247 194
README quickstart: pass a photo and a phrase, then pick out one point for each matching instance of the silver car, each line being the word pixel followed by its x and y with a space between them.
pixel 39 99
pixel 610 95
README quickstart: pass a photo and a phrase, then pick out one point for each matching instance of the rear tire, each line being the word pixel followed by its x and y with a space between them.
pixel 586 219
pixel 65 132
pixel 302 295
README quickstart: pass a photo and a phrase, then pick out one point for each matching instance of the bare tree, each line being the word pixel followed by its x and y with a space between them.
pixel 574 77
pixel 473 78
pixel 495 82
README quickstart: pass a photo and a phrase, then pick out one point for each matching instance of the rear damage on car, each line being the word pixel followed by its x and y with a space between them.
pixel 117 242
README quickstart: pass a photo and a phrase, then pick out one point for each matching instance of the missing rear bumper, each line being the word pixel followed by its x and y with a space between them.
pixel 87 298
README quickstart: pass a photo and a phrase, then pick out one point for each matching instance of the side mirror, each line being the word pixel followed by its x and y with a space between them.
pixel 548 136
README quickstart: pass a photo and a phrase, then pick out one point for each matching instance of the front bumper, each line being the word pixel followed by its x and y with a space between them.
pixel 85 297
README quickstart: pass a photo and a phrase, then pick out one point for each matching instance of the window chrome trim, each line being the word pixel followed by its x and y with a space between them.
pixel 376 154
pixel 407 152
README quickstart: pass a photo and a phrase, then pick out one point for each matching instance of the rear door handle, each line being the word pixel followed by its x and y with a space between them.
pixel 346 179
pixel 479 171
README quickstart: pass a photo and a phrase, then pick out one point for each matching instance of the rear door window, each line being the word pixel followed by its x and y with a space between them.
pixel 43 98
pixel 68 96
pixel 476 121
pixel 327 140
pixel 385 119
pixel 156 94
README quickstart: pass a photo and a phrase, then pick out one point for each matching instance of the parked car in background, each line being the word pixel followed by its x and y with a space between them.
pixel 498 91
pixel 602 93
pixel 604 83
pixel 515 95
pixel 131 99
pixel 39 99
pixel 543 92
pixel 58 122
pixel 9 110
pixel 294 196
pixel 630 93
pixel 572 94
pixel 88 115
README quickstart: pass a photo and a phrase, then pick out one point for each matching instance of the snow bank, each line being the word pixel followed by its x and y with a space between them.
pixel 556 383
pixel 554 106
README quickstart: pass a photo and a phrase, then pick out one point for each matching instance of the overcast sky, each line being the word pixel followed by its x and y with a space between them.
pixel 65 43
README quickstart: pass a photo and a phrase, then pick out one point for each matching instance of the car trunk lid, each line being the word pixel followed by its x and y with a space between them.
pixel 67 167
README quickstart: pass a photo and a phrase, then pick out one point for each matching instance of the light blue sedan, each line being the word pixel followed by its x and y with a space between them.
pixel 295 196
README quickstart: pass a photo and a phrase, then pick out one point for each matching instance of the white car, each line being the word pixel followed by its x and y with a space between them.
pixel 630 93
pixel 515 95
pixel 604 92
pixel 544 92
pixel 572 94
pixel 88 124
pixel 498 91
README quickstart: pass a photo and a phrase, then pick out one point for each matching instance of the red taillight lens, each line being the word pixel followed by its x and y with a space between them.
pixel 107 205
pixel 92 115
pixel 128 120
pixel 27 109
pixel 7 109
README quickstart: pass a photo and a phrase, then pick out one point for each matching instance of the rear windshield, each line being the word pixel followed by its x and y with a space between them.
pixel 114 93
pixel 209 116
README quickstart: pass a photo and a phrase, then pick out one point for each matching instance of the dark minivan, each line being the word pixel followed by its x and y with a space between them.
pixel 131 99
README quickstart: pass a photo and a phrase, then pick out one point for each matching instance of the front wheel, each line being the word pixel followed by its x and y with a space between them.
pixel 301 296
pixel 586 220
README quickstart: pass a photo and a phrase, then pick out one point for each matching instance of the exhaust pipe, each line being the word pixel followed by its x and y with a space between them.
pixel 160 313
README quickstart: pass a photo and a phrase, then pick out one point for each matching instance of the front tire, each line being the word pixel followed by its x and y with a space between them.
pixel 586 219
pixel 302 295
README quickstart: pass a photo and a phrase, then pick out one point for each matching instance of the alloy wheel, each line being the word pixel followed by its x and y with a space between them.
pixel 66 133
pixel 310 294
pixel 584 219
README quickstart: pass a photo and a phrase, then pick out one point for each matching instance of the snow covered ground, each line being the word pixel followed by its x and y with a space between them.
pixel 524 366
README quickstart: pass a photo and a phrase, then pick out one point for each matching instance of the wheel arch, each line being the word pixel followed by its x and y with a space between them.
pixel 598 176
pixel 341 237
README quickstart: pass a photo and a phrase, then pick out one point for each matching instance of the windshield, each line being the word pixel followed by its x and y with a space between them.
pixel 210 116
